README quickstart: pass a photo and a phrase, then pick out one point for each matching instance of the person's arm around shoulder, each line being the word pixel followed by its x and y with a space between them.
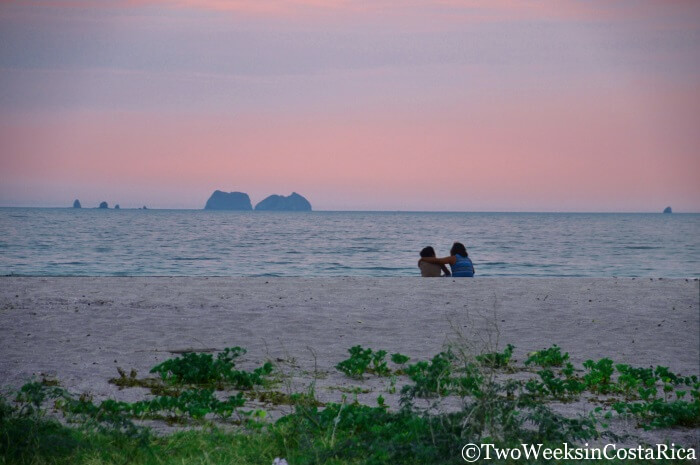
pixel 451 260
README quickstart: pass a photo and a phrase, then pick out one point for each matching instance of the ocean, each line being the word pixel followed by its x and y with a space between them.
pixel 92 242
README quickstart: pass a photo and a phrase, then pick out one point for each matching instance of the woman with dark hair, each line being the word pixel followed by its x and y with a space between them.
pixel 431 270
pixel 459 261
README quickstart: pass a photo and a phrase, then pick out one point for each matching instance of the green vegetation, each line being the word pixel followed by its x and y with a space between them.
pixel 363 361
pixel 659 413
pixel 496 359
pixel 204 370
pixel 433 378
pixel 399 359
pixel 493 408
pixel 567 388
pixel 282 398
pixel 599 376
pixel 551 357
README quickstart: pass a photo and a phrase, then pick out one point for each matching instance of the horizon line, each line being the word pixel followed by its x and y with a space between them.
pixel 358 211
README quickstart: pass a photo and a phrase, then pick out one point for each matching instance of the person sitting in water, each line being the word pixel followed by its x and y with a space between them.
pixel 459 261
pixel 430 270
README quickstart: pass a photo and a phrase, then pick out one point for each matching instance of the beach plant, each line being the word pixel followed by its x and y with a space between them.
pixel 192 403
pixel 598 379
pixel 399 359
pixel 492 408
pixel 357 364
pixel 430 378
pixel 392 385
pixel 379 366
pixel 550 357
pixel 664 375
pixel 355 433
pixel 204 370
pixel 155 385
pixel 283 398
pixel 496 359
pixel 174 405
pixel 659 413
pixel 33 396
pixel 631 380
pixel 564 389
pixel 346 435
pixel 27 433
pixel 195 403
pixel 568 370
pixel 470 381
pixel 363 361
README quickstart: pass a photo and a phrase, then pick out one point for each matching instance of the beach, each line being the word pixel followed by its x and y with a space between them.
pixel 79 330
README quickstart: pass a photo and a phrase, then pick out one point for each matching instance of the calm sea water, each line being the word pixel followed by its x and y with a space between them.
pixel 91 242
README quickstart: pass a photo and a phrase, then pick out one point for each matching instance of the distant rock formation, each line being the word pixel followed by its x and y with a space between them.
pixel 228 201
pixel 116 207
pixel 668 210
pixel 144 208
pixel 103 205
pixel 76 204
pixel 294 202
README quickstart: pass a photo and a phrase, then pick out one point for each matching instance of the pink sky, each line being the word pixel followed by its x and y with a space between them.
pixel 514 106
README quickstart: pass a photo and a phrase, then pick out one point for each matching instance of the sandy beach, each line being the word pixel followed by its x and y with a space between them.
pixel 79 330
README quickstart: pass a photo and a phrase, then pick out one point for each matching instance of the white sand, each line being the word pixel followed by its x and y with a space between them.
pixel 80 329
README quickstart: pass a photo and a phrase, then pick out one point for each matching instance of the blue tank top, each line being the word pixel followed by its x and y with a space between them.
pixel 463 267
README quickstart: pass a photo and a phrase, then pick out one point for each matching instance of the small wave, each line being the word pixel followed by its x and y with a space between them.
pixel 177 259
pixel 380 268
pixel 363 249
pixel 338 265
pixel 641 247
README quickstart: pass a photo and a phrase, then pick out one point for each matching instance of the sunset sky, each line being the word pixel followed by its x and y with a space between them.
pixel 492 105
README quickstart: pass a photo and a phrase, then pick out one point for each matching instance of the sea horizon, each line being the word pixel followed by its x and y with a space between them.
pixel 586 212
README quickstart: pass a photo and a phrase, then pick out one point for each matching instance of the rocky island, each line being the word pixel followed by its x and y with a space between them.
pixel 220 200
pixel 668 210
pixel 76 204
pixel 293 202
